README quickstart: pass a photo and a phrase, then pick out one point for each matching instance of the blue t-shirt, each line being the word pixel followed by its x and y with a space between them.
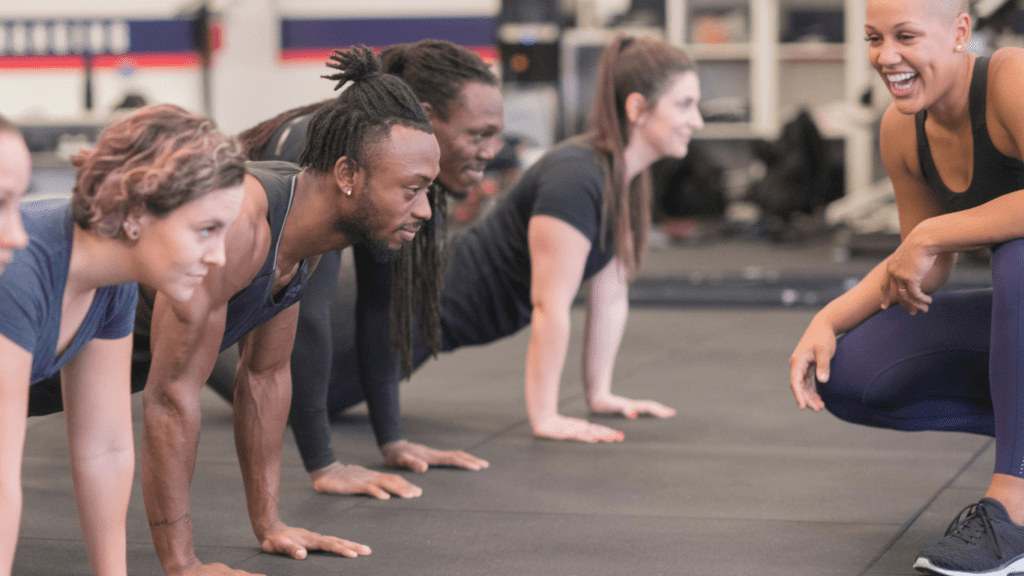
pixel 32 292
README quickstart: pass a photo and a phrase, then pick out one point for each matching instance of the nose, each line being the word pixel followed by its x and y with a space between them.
pixel 215 254
pixel 421 207
pixel 490 148
pixel 698 119
pixel 886 54
pixel 13 234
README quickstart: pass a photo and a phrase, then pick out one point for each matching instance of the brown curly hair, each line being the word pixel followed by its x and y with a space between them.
pixel 154 160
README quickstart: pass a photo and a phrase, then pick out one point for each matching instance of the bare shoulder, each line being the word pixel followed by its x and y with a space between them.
pixel 1010 56
pixel 1005 99
pixel 1006 74
pixel 898 142
pixel 245 245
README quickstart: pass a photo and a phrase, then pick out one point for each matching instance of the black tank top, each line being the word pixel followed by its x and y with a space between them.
pixel 256 303
pixel 287 141
pixel 994 173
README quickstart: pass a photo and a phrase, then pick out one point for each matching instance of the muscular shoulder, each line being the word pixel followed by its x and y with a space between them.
pixel 245 244
pixel 898 142
pixel 1005 100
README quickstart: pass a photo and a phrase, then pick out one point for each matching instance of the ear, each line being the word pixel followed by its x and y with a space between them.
pixel 962 26
pixel 345 175
pixel 133 224
pixel 431 115
pixel 636 107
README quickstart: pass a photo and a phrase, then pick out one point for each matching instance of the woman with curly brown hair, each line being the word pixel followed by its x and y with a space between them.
pixel 151 204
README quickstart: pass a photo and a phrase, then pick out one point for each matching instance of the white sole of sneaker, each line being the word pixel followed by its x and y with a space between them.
pixel 1014 567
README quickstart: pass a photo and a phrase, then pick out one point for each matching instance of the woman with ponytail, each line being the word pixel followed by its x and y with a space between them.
pixel 580 213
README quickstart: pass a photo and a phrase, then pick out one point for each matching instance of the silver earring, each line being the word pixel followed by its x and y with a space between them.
pixel 959 47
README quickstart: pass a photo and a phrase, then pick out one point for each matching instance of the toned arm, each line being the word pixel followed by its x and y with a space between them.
pixel 97 397
pixel 185 340
pixel 558 253
pixel 14 382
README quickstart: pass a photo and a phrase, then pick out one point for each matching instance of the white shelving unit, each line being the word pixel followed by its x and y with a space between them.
pixel 768 80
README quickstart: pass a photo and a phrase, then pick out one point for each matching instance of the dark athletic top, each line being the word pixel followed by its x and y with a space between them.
pixel 32 292
pixel 487 284
pixel 287 141
pixel 256 303
pixel 486 297
pixel 994 175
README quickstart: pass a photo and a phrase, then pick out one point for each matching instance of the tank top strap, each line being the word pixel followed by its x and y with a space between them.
pixel 976 98
pixel 924 156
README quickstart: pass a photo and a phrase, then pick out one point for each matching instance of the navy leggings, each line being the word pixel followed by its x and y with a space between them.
pixel 957 367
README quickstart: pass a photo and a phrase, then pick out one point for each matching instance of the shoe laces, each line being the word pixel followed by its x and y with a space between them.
pixel 972 522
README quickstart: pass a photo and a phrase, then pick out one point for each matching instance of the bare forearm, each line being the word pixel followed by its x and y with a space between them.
pixel 103 485
pixel 857 304
pixel 991 223
pixel 607 311
pixel 169 444
pixel 261 413
pixel 10 521
pixel 545 357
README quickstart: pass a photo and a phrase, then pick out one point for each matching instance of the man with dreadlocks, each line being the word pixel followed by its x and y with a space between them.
pixel 462 100
pixel 363 178
pixel 580 213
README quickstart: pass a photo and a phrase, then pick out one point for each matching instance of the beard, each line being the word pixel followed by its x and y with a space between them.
pixel 360 226
pixel 381 252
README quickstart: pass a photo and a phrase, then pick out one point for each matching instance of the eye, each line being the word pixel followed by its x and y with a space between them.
pixel 209 231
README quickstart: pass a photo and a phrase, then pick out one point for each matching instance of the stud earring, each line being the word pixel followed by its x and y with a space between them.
pixel 959 47
pixel 130 231
pixel 348 192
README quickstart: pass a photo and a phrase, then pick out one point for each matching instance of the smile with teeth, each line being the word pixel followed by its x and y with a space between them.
pixel 901 82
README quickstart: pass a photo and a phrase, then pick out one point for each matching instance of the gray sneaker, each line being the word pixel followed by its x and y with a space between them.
pixel 981 540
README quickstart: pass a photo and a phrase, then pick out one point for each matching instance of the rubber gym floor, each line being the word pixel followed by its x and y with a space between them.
pixel 739 482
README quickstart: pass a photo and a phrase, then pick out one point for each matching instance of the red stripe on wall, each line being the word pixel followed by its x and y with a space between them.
pixel 109 61
pixel 306 55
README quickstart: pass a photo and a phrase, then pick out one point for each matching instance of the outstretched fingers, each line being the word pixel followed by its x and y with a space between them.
pixel 345 480
pixel 296 542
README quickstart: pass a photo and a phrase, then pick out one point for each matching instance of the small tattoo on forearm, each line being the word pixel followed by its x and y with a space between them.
pixel 187 517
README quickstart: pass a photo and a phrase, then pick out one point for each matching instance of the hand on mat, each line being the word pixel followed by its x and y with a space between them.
pixel 296 542
pixel 905 270
pixel 417 457
pixel 813 354
pixel 560 427
pixel 612 404
pixel 216 569
pixel 340 479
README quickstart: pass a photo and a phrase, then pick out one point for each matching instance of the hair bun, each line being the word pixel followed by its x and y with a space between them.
pixel 354 64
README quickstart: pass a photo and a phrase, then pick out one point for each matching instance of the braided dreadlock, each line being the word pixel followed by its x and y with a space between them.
pixel 437 71
pixel 362 116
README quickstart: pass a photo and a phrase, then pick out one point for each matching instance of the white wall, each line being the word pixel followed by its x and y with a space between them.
pixel 250 83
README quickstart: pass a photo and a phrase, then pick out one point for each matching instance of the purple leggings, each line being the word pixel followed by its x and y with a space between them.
pixel 957 367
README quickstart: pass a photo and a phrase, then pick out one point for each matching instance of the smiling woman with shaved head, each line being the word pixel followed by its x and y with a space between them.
pixel 951 142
